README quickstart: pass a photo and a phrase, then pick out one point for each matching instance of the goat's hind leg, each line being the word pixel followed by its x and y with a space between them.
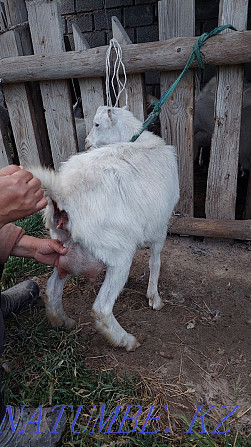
pixel 53 302
pixel 106 323
pixel 152 291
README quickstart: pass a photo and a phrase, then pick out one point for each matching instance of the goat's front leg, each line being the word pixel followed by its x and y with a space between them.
pixel 152 291
pixel 53 302
pixel 106 323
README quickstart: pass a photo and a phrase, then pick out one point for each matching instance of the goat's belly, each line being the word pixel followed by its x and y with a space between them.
pixel 79 261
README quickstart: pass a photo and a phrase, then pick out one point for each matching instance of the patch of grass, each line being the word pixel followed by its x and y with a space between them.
pixel 16 269
pixel 48 368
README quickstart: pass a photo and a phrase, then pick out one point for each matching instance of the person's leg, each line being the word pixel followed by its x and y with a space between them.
pixel 11 301
pixel 19 297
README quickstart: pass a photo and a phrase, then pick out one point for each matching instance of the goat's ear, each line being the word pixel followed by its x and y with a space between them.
pixel 109 113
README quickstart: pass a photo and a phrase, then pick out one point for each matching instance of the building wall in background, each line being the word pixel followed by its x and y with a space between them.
pixel 140 20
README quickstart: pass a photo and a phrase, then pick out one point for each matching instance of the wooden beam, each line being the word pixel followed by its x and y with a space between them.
pixel 230 48
pixel 177 18
pixel 91 88
pixel 223 166
pixel 227 229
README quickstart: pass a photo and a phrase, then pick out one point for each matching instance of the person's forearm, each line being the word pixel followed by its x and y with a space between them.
pixel 25 247
pixel 9 236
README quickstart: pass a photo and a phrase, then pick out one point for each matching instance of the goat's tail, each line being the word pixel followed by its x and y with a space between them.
pixel 50 180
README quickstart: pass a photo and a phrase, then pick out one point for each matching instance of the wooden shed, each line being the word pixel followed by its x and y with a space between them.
pixel 36 73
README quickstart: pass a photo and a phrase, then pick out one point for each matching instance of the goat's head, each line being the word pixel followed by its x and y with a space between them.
pixel 111 125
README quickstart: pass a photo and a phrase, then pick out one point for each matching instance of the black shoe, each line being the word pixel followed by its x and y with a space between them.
pixel 19 297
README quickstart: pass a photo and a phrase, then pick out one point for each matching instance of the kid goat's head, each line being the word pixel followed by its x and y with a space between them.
pixel 111 125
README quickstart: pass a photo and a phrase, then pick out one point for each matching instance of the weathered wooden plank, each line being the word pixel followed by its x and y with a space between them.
pixel 4 159
pixel 223 166
pixel 17 19
pixel 177 18
pixel 248 198
pixel 5 156
pixel 15 11
pixel 91 88
pixel 3 18
pixel 19 108
pixel 16 15
pixel 80 42
pixel 47 37
pixel 138 58
pixel 228 229
pixel 135 82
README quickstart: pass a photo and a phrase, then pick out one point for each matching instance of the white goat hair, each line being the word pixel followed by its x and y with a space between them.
pixel 117 198
pixel 204 122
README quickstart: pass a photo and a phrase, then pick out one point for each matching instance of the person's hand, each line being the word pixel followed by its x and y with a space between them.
pixel 46 251
pixel 21 194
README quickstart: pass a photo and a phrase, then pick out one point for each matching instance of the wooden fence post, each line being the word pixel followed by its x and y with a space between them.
pixel 248 196
pixel 19 107
pixel 135 82
pixel 15 15
pixel 177 19
pixel 223 166
pixel 5 155
pixel 47 37
pixel 91 88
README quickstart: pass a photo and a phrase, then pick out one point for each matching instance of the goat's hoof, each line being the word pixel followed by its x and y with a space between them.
pixel 55 320
pixel 70 323
pixel 60 321
pixel 158 306
pixel 132 344
pixel 155 302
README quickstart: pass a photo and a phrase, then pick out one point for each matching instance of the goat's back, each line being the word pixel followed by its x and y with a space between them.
pixel 127 190
pixel 119 196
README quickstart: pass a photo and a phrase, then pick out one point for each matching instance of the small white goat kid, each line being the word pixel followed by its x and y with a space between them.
pixel 104 204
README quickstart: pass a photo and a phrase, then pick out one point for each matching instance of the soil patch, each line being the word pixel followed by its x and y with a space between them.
pixel 199 342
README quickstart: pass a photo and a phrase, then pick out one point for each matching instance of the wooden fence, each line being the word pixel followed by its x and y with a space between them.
pixel 36 72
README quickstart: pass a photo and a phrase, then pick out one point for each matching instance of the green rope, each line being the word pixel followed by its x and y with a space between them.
pixel 195 54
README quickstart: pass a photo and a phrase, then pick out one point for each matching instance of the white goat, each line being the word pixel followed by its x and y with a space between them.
pixel 105 203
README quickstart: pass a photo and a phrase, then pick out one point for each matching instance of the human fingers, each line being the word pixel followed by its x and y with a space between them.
pixel 39 195
pixel 23 175
pixel 58 247
pixel 9 170
pixel 41 204
pixel 34 183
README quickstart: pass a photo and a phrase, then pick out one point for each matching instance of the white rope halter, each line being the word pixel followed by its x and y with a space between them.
pixel 121 86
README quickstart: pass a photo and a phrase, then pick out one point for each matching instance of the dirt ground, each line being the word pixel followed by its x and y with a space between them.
pixel 199 342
